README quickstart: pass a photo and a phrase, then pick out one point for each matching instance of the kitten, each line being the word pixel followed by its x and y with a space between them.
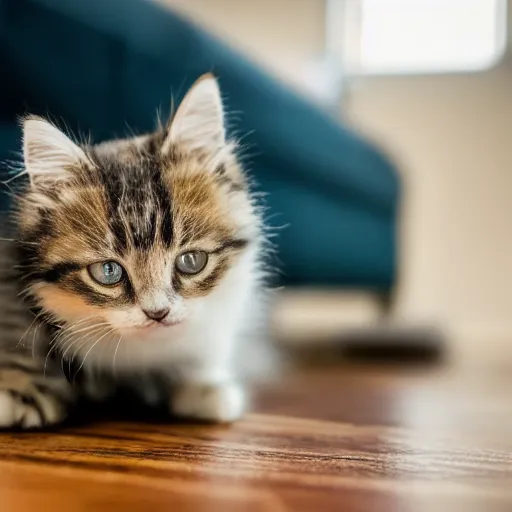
pixel 133 258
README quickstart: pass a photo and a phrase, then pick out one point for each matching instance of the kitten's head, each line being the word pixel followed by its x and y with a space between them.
pixel 134 234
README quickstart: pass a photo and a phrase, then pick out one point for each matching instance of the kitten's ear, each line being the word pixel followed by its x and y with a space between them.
pixel 48 153
pixel 199 121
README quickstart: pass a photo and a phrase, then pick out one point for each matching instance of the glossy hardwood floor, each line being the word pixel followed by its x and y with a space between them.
pixel 330 438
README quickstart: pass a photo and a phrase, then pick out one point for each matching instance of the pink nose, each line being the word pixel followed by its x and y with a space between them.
pixel 156 314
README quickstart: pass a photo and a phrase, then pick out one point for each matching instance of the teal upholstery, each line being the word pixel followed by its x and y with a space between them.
pixel 102 65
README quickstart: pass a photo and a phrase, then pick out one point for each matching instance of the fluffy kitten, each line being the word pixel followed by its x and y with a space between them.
pixel 134 258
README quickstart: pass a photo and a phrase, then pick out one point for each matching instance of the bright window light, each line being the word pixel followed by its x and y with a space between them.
pixel 429 36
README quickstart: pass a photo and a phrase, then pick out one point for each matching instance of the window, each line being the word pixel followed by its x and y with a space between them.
pixel 416 36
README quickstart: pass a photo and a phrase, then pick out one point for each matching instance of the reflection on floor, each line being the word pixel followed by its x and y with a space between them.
pixel 339 436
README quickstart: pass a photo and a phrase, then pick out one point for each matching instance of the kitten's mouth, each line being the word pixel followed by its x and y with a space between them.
pixel 155 325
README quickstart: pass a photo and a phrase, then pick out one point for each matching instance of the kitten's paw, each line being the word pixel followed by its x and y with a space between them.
pixel 29 401
pixel 219 403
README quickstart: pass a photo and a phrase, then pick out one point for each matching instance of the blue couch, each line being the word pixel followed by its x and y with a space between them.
pixel 101 65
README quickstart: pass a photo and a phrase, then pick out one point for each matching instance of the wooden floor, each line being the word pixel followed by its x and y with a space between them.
pixel 337 438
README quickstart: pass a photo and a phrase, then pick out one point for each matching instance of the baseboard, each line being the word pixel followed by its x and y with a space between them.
pixel 316 315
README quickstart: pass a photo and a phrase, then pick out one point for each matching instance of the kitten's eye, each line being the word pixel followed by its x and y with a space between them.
pixel 106 272
pixel 191 262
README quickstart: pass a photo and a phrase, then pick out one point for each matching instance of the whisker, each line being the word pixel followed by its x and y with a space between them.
pixel 26 332
pixel 76 352
pixel 61 337
pixel 89 351
pixel 115 354
pixel 66 339
pixel 34 341
pixel 52 349
pixel 84 329
pixel 69 330
pixel 72 343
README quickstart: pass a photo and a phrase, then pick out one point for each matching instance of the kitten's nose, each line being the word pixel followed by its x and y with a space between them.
pixel 156 314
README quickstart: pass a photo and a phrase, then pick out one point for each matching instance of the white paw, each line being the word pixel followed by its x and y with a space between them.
pixel 219 403
pixel 28 404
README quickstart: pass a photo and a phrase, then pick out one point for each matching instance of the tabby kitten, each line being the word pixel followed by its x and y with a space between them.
pixel 134 258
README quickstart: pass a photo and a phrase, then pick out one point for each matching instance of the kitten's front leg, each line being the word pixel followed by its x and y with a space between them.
pixel 209 389
pixel 28 399
pixel 219 402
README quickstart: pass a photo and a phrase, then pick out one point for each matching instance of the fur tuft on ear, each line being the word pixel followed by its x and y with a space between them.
pixel 48 153
pixel 198 124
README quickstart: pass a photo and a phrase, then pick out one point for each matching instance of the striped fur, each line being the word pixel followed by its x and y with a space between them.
pixel 140 202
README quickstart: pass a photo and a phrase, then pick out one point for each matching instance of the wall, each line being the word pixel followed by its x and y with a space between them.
pixel 280 34
pixel 453 138
pixel 452 135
